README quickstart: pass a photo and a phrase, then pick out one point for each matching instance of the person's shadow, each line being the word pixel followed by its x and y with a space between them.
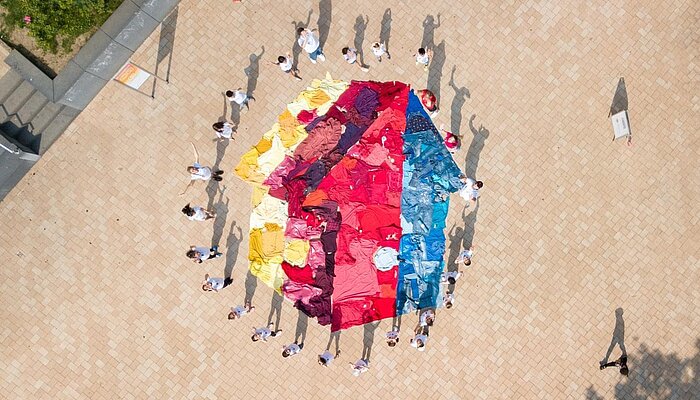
pixel 429 27
pixel 233 243
pixel 618 337
pixel 460 97
pixel 251 284
pixel 360 28
pixel 475 147
pixel 302 327
pixel 334 335
pixel 275 310
pixel 462 238
pixel 296 49
pixel 385 33
pixel 220 219
pixel 619 102
pixel 435 70
pixel 252 71
pixel 325 17
pixel 368 340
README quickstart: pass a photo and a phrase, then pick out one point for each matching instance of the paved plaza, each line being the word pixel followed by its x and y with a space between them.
pixel 100 302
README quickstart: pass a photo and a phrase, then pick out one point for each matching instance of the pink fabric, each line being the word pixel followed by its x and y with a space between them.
pixel 451 140
pixel 320 141
pixel 306 116
pixel 299 291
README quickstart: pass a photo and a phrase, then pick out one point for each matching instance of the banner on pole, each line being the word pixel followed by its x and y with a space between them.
pixel 132 76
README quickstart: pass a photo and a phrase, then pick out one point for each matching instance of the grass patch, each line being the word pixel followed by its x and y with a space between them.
pixel 56 24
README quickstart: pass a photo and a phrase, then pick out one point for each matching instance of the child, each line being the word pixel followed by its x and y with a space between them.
pixel 350 55
pixel 379 49
pixel 197 213
pixel 292 349
pixel 199 254
pixel 287 66
pixel 326 358
pixel 452 141
pixel 465 257
pixel 239 312
pixel 309 41
pixel 429 101
pixel 199 172
pixel 470 190
pixel 620 362
pixel 239 97
pixel 222 130
pixel 423 58
pixel 448 300
pixel 264 333
pixel 392 337
pixel 360 367
pixel 215 284
pixel 419 340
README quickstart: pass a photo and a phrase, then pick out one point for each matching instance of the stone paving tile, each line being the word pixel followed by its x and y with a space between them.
pixel 100 302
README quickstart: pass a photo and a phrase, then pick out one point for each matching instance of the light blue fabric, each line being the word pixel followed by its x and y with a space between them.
pixel 429 172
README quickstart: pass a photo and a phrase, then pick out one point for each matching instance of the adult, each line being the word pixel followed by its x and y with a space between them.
pixel 470 190
pixel 198 172
pixel 309 41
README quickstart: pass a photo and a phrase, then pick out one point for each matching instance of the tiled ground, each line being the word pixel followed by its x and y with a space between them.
pixel 99 301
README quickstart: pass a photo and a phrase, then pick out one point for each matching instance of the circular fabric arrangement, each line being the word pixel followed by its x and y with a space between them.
pixel 348 202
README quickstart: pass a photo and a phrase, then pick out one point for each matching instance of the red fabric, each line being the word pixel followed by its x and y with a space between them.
pixel 300 275
pixel 428 99
pixel 306 116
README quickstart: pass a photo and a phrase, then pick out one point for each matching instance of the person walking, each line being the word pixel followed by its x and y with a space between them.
pixel 215 284
pixel 379 49
pixel 286 64
pixel 620 362
pixel 222 130
pixel 309 41
pixel 199 254
pixel 423 57
pixel 239 97
pixel 350 56
pixel 197 213
pixel 199 172
pixel 470 189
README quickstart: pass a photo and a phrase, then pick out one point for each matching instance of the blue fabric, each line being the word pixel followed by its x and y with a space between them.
pixel 429 172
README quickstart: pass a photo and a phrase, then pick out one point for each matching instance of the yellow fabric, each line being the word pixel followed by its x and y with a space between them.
pixel 259 192
pixel 315 98
pixel 270 210
pixel 295 251
pixel 247 167
pixel 268 161
pixel 265 255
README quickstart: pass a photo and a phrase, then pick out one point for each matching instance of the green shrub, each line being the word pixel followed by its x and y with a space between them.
pixel 58 22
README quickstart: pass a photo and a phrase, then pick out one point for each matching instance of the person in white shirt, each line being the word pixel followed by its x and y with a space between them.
pixel 199 172
pixel 199 254
pixel 448 300
pixel 423 57
pixel 465 257
pixel 264 333
pixel 240 311
pixel 309 41
pixel 286 64
pixel 470 190
pixel 292 349
pixel 379 49
pixel 239 97
pixel 350 56
pixel 359 367
pixel 392 337
pixel 420 339
pixel 450 277
pixel 222 130
pixel 197 213
pixel 326 357
pixel 215 284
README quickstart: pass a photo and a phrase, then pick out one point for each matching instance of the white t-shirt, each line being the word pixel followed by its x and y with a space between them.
pixel 199 214
pixel 463 256
pixel 202 253
pixel 422 58
pixel 449 298
pixel 286 65
pixel 238 97
pixel 424 317
pixel 392 335
pixel 423 339
pixel 216 283
pixel 202 174
pixel 239 311
pixel 350 56
pixel 450 274
pixel 293 349
pixel 312 42
pixel 379 51
pixel 468 192
pixel 264 333
pixel 327 356
pixel 226 132
pixel 359 367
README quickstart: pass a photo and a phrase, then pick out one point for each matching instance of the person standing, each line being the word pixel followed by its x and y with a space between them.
pixel 423 57
pixel 292 349
pixel 620 362
pixel 215 284
pixel 392 337
pixel 326 357
pixel 465 257
pixel 379 49
pixel 309 41
pixel 264 333
pixel 470 190
pixel 199 254
pixel 359 367
pixel 239 97
pixel 199 172
pixel 286 64
pixel 197 213
pixel 420 339
pixel 222 130
pixel 239 311
pixel 350 56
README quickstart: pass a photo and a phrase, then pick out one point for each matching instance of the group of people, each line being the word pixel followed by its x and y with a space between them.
pixel 308 40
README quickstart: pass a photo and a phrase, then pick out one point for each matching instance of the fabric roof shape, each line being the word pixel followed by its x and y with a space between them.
pixel 355 195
